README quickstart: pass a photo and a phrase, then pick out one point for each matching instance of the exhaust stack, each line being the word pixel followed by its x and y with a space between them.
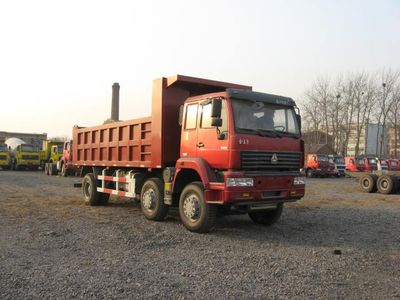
pixel 115 102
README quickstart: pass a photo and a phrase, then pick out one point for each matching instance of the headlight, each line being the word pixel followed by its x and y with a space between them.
pixel 239 182
pixel 299 180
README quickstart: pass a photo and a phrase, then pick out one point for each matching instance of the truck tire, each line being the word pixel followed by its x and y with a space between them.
pixel 368 183
pixel 64 172
pixel 386 184
pixel 52 169
pixel 46 169
pixel 267 217
pixel 196 214
pixel 152 200
pixel 90 194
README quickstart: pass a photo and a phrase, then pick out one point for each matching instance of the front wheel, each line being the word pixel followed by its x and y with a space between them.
pixel 195 213
pixel 63 170
pixel 267 217
pixel 152 200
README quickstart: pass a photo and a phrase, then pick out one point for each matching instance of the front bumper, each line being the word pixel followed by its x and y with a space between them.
pixel 265 190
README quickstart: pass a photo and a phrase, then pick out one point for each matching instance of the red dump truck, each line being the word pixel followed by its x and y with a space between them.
pixel 208 147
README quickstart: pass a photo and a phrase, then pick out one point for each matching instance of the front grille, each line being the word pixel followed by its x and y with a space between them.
pixel 31 157
pixel 263 161
pixel 3 157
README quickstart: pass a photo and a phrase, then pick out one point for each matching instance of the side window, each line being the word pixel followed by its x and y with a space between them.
pixel 191 116
pixel 206 117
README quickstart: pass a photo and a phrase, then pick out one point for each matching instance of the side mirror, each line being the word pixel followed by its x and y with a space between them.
pixel 298 117
pixel 180 115
pixel 216 122
pixel 216 108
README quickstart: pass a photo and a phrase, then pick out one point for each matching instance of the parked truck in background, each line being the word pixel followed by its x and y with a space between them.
pixel 50 154
pixel 339 165
pixel 66 165
pixel 370 163
pixel 318 165
pixel 5 158
pixel 23 155
pixel 209 147
pixel 61 163
pixel 354 164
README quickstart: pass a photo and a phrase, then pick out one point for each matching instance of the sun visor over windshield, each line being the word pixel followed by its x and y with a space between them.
pixel 260 97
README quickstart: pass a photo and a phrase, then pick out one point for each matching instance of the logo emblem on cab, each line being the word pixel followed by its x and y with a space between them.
pixel 274 158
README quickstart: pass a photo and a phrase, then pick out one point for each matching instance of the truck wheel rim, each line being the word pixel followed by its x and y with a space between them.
pixel 149 199
pixel 86 189
pixel 366 183
pixel 384 184
pixel 191 207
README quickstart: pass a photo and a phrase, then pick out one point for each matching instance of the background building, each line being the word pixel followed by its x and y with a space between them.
pixel 35 139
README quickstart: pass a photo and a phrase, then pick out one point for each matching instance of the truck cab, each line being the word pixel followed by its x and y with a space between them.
pixel 339 164
pixel 370 163
pixel 394 164
pixel 26 156
pixel 5 159
pixel 318 165
pixel 381 164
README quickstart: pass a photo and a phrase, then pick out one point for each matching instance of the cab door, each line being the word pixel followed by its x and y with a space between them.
pixel 189 131
pixel 212 142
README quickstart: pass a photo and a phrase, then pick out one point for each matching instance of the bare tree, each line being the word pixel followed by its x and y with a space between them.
pixel 389 80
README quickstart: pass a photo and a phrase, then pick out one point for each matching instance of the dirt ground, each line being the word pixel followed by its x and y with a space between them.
pixel 335 243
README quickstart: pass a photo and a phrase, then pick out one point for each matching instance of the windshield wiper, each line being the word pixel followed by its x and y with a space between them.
pixel 291 134
pixel 251 130
pixel 262 132
pixel 275 132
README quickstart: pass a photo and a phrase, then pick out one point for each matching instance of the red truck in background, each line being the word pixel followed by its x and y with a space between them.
pixel 393 164
pixel 354 164
pixel 208 147
pixel 318 165
pixel 370 163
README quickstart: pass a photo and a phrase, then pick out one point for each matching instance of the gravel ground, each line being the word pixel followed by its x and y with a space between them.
pixel 335 243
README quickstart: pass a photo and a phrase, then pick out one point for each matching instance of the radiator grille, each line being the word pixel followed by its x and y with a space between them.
pixel 270 161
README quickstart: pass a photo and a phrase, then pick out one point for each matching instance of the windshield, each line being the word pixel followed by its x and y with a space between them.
pixel 29 148
pixel 322 158
pixel 361 161
pixel 3 148
pixel 262 117
pixel 339 160
pixel 60 148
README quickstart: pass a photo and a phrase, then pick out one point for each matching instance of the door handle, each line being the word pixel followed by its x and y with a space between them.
pixel 200 145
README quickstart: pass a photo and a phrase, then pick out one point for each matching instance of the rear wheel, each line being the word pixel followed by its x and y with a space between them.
pixel 267 217
pixel 368 183
pixel 386 184
pixel 195 213
pixel 90 194
pixel 152 200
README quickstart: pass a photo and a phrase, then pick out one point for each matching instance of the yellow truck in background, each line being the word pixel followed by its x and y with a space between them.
pixel 5 158
pixel 50 155
pixel 23 155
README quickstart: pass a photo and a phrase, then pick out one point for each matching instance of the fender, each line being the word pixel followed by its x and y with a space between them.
pixel 200 166
pixel 213 190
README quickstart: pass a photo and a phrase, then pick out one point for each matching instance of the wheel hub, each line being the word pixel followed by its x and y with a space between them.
pixel 191 207
pixel 149 199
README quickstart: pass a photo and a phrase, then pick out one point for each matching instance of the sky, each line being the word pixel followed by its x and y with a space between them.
pixel 59 59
